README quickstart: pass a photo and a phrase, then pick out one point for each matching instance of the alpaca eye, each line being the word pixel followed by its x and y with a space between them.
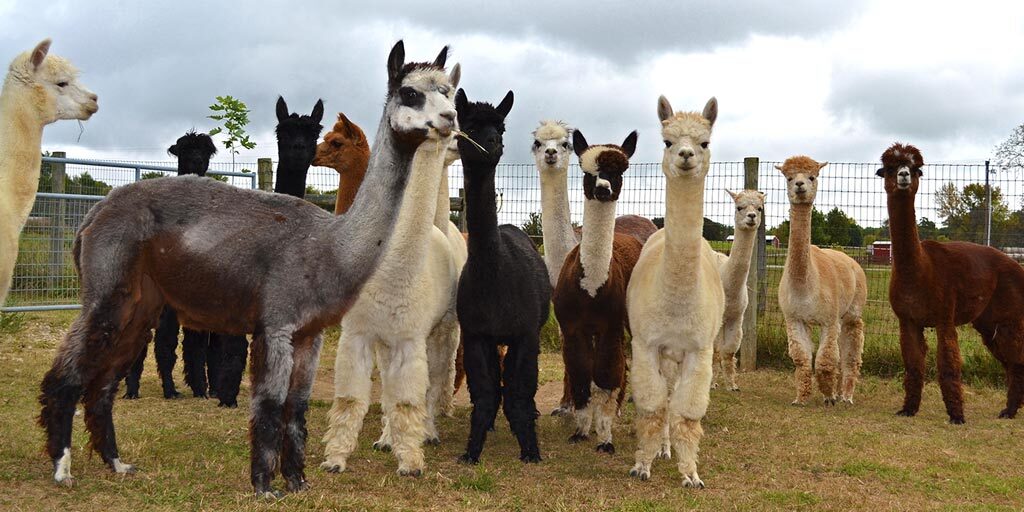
pixel 760 209
pixel 810 178
pixel 62 84
pixel 443 90
pixel 668 143
pixel 704 145
pixel 565 145
pixel 336 143
pixel 789 179
pixel 536 144
pixel 739 208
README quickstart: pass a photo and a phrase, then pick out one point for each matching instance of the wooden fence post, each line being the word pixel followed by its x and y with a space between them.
pixel 462 211
pixel 265 174
pixel 748 346
pixel 57 174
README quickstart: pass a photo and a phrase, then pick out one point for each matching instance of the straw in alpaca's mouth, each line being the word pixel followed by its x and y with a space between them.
pixel 466 136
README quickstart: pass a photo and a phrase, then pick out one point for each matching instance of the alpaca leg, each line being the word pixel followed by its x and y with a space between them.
pixel 99 401
pixel 578 355
pixel 272 363
pixel 481 355
pixel 293 450
pixel 913 349
pixel 353 366
pixel 1014 390
pixel 565 404
pixel 405 379
pixel 851 346
pixel 382 355
pixel 214 350
pixel 441 347
pixel 233 353
pixel 460 369
pixel 609 363
pixel 131 382
pixel 519 389
pixel 670 372
pixel 826 362
pixel 716 363
pixel 950 378
pixel 687 405
pixel 60 391
pixel 800 350
pixel 731 335
pixel 165 347
pixel 194 347
pixel 650 395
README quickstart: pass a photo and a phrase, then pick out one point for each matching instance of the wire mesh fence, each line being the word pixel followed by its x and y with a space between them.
pixel 850 214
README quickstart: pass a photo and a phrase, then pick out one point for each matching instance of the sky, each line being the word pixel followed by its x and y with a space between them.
pixel 838 81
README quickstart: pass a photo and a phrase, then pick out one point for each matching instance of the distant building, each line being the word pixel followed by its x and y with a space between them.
pixel 881 251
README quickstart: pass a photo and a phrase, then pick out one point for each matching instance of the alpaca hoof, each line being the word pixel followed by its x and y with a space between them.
pixel 269 495
pixel 798 403
pixel 692 482
pixel 332 467
pixel 847 400
pixel 714 385
pixel 466 458
pixel 905 412
pixel 433 441
pixel 1007 414
pixel 121 468
pixel 415 473
pixel 956 420
pixel 297 485
pixel 734 387
pixel 577 438
pixel 562 411
pixel 68 481
pixel 213 394
pixel 830 401
pixel 665 452
pixel 608 448
pixel 172 395
pixel 131 395
pixel 532 457
pixel 382 447
pixel 640 471
pixel 229 405
pixel 199 394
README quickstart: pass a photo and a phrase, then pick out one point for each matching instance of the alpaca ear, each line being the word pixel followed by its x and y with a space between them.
pixel 441 58
pixel 711 110
pixel 880 172
pixel 763 196
pixel 732 194
pixel 173 149
pixel 211 148
pixel 629 145
pixel 579 142
pixel 455 75
pixel 505 106
pixel 822 165
pixel 918 171
pixel 779 167
pixel 282 109
pixel 664 108
pixel 39 53
pixel 461 102
pixel 318 111
pixel 396 59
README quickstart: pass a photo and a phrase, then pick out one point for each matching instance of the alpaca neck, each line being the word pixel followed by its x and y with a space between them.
pixel 291 178
pixel 559 237
pixel 21 136
pixel 738 265
pixel 598 242
pixel 684 228
pixel 798 256
pixel 906 243
pixel 481 210
pixel 441 212
pixel 349 180
pixel 416 215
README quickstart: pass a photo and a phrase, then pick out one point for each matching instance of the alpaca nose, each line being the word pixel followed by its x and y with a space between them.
pixel 799 184
pixel 449 115
pixel 94 97
pixel 686 152
pixel 752 215
pixel 550 151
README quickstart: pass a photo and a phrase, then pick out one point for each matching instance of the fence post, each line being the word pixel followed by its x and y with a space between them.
pixel 265 172
pixel 462 212
pixel 748 346
pixel 988 208
pixel 57 174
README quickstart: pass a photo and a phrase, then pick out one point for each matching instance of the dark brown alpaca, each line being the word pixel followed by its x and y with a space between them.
pixel 590 298
pixel 943 285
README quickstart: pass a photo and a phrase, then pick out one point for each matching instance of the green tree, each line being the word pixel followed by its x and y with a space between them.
pixel 533 226
pixel 714 231
pixel 234 115
pixel 1010 152
pixel 965 214
pixel 842 230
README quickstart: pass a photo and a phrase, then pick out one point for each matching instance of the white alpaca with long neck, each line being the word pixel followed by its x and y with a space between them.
pixel 675 302
pixel 404 314
pixel 734 270
pixel 39 89
pixel 552 150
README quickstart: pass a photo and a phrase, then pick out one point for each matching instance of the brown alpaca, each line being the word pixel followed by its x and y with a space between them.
pixel 943 285
pixel 590 298
pixel 345 150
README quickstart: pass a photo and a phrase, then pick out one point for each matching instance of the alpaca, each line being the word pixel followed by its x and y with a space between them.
pixel 590 298
pixel 405 315
pixel 734 269
pixel 39 90
pixel 296 147
pixel 503 295
pixel 943 285
pixel 820 287
pixel 345 150
pixel 131 243
pixel 675 303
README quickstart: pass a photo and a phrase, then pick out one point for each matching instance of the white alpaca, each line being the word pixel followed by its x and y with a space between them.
pixel 404 315
pixel 443 403
pixel 38 90
pixel 734 269
pixel 675 302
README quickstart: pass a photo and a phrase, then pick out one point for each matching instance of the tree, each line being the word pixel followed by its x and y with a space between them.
pixel 714 231
pixel 235 115
pixel 965 213
pixel 533 226
pixel 1010 152
pixel 842 230
pixel 926 229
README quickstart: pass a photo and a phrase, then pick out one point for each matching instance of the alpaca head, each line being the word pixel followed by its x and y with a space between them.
pixel 603 166
pixel 801 174
pixel 552 146
pixel 485 124
pixel 344 147
pixel 901 168
pixel 54 85
pixel 419 103
pixel 749 208
pixel 193 151
pixel 297 134
pixel 687 136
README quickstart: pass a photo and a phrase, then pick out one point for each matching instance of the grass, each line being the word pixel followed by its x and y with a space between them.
pixel 758 453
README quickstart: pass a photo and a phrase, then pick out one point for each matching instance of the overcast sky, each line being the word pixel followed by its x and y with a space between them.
pixel 835 80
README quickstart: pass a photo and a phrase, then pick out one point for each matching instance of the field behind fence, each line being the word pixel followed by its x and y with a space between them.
pixel 45 276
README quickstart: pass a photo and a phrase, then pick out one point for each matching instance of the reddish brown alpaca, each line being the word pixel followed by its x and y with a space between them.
pixel 345 150
pixel 590 298
pixel 943 285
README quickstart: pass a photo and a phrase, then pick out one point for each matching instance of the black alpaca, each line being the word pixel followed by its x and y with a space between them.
pixel 296 146
pixel 202 352
pixel 503 292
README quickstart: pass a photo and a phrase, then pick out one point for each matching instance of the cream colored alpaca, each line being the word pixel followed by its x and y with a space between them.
pixel 819 287
pixel 404 315
pixel 457 247
pixel 552 150
pixel 675 302
pixel 734 269
pixel 38 90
